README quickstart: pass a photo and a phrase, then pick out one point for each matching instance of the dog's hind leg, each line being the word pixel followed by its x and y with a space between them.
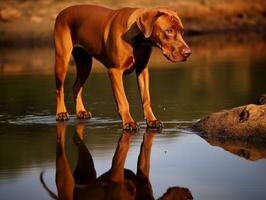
pixel 63 48
pixel 83 62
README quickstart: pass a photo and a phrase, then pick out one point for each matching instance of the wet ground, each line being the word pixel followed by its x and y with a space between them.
pixel 226 71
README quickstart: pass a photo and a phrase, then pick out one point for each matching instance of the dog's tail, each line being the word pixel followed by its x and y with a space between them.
pixel 51 193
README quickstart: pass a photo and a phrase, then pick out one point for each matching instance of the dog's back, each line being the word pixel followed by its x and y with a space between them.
pixel 84 21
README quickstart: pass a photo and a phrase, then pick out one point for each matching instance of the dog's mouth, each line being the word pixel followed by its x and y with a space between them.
pixel 169 56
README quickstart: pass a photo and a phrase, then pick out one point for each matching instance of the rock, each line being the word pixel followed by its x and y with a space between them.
pixel 252 151
pixel 9 14
pixel 262 100
pixel 245 122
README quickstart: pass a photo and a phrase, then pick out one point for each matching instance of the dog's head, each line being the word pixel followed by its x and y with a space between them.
pixel 165 29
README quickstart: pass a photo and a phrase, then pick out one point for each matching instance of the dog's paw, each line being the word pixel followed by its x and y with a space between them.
pixel 131 126
pixel 62 116
pixel 84 115
pixel 154 124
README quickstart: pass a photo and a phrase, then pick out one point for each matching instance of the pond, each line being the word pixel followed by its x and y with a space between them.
pixel 224 71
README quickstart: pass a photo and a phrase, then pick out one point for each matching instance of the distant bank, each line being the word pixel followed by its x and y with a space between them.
pixel 30 23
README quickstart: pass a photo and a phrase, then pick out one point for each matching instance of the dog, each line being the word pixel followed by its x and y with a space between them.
pixel 122 40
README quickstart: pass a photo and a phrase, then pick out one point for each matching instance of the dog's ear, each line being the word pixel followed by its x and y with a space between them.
pixel 146 21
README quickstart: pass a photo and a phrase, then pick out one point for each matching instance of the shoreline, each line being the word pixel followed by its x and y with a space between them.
pixel 9 40
pixel 40 59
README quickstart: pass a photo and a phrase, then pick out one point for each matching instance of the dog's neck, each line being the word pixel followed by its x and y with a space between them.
pixel 132 32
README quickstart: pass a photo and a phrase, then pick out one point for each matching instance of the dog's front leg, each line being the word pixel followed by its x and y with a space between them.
pixel 116 76
pixel 143 84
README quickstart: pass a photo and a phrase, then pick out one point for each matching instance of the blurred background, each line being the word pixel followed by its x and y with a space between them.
pixel 229 26
pixel 31 21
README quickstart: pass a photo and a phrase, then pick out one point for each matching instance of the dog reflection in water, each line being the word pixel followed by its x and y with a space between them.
pixel 117 183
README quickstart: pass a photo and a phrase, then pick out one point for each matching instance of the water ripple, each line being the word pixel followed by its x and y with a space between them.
pixel 50 120
pixel 96 122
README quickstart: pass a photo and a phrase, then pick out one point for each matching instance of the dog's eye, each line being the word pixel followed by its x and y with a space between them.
pixel 169 31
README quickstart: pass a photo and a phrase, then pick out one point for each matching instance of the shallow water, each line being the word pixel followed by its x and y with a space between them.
pixel 225 72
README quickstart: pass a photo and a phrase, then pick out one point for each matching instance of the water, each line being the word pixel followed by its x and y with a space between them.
pixel 223 72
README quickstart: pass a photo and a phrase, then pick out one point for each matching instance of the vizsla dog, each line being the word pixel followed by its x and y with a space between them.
pixel 122 40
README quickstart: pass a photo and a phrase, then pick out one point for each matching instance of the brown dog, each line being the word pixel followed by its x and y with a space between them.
pixel 120 39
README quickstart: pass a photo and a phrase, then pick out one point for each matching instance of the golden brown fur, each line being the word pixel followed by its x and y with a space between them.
pixel 120 39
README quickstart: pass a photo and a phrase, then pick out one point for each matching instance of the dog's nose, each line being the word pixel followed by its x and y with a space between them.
pixel 186 52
